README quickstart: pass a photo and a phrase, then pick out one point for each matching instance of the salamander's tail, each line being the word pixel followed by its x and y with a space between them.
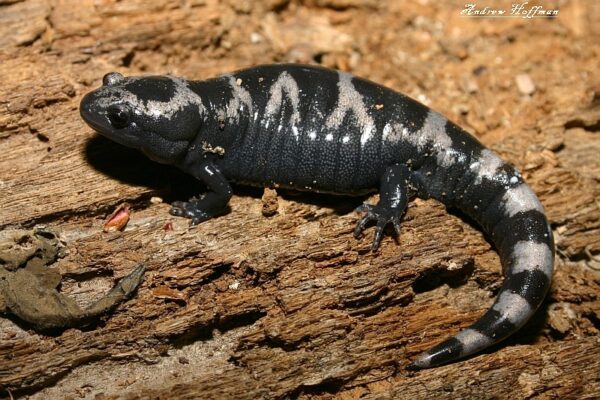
pixel 529 270
pixel 493 193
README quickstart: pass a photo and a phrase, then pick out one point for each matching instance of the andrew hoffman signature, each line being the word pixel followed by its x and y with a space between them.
pixel 517 10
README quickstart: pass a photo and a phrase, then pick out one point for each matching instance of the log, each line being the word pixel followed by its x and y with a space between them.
pixel 290 305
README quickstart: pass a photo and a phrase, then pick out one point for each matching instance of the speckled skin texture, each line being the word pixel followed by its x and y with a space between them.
pixel 315 129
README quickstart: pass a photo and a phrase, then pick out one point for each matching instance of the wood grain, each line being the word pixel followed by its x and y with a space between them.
pixel 248 306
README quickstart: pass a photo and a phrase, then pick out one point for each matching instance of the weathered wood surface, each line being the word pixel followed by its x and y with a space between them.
pixel 246 306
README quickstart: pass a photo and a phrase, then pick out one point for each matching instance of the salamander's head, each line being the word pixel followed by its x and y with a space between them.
pixel 159 115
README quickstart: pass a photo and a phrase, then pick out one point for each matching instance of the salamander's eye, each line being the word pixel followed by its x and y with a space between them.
pixel 118 115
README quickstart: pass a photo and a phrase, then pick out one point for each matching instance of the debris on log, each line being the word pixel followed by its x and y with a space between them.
pixel 290 305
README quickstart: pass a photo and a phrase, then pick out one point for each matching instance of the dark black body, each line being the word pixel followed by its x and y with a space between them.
pixel 315 129
pixel 266 152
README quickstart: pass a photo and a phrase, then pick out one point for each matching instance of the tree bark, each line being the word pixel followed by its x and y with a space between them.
pixel 249 306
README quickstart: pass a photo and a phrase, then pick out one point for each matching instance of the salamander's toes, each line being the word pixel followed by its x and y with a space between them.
pixel 177 209
pixel 362 223
pixel 396 225
pixel 184 208
pixel 379 230
pixel 382 217
pixel 195 210
pixel 189 209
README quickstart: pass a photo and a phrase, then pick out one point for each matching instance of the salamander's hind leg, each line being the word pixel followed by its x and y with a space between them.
pixel 213 203
pixel 392 204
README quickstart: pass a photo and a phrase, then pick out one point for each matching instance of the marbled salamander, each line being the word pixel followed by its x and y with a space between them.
pixel 316 129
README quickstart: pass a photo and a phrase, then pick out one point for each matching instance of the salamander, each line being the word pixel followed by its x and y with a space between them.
pixel 314 129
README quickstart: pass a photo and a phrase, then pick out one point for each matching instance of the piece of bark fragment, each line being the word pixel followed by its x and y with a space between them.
pixel 525 84
pixel 118 220
pixel 270 203
pixel 28 286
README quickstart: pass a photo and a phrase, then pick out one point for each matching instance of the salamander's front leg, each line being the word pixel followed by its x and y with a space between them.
pixel 213 203
pixel 393 199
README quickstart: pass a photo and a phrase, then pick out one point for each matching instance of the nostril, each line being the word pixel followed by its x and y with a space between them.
pixel 86 108
pixel 86 104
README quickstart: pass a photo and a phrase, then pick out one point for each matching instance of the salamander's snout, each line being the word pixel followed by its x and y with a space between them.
pixel 91 113
pixel 86 104
pixel 104 109
pixel 86 108
pixel 112 119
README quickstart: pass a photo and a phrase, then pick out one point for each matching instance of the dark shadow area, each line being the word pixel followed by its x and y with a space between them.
pixel 467 219
pixel 436 277
pixel 593 318
pixel 127 165
pixel 581 123
pixel 193 334
pixel 204 332
pixel 329 386
pixel 131 166
pixel 248 318
pixel 341 204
